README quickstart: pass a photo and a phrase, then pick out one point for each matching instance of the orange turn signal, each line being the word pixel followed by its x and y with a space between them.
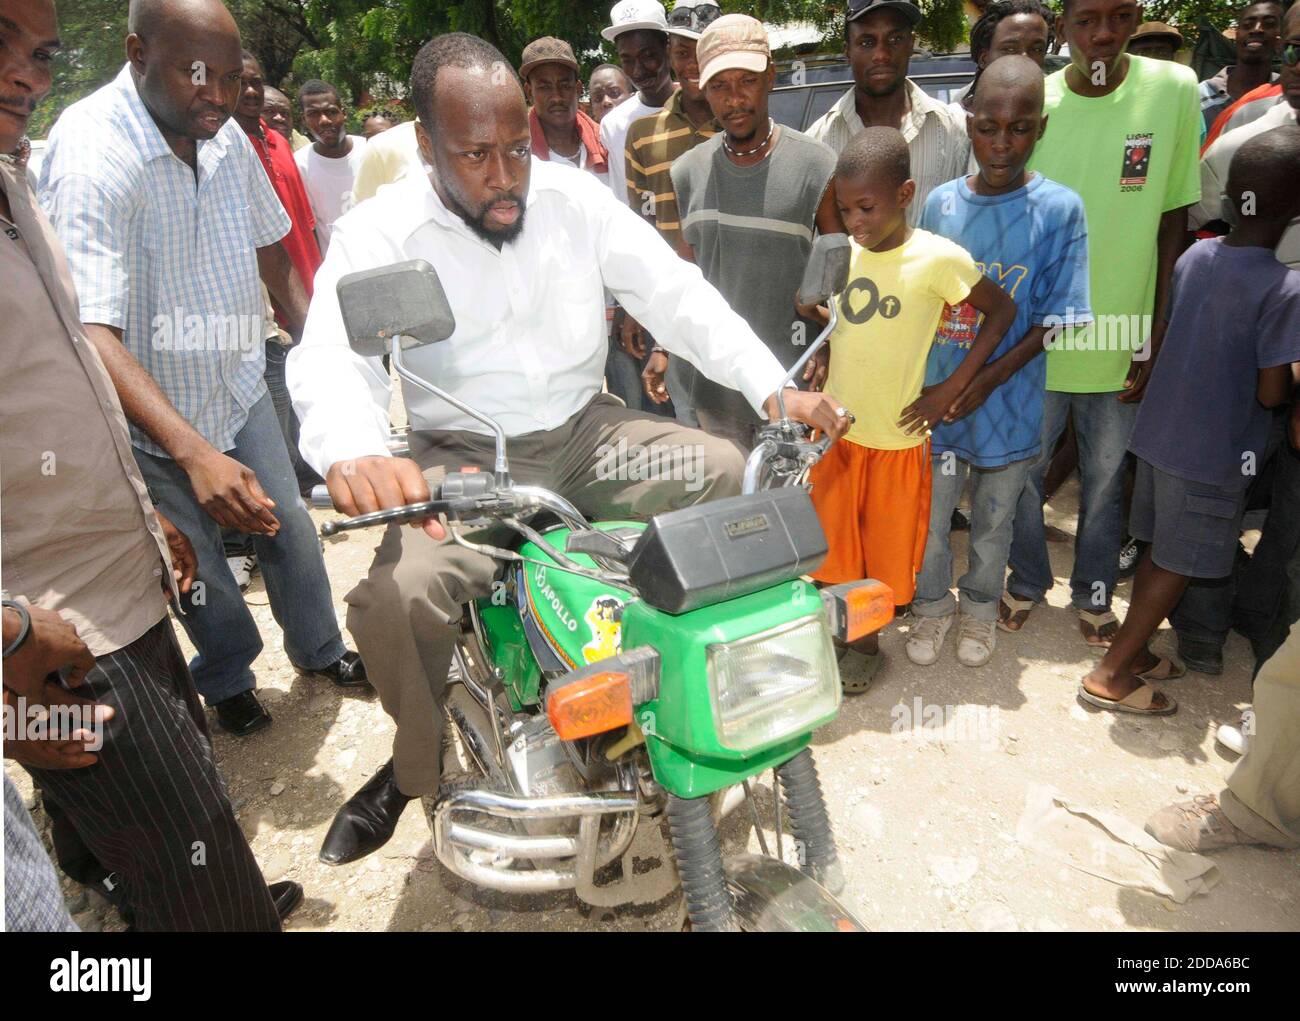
pixel 592 705
pixel 859 608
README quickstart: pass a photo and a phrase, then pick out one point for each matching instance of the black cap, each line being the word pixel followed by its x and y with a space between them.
pixel 860 8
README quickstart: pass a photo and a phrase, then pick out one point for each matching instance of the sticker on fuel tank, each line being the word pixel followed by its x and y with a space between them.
pixel 605 618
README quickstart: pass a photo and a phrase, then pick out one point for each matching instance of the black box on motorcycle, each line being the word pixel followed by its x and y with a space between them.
pixel 726 548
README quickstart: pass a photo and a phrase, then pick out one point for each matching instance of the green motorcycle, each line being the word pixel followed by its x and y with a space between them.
pixel 624 671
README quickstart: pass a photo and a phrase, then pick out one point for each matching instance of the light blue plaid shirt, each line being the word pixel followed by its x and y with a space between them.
pixel 169 260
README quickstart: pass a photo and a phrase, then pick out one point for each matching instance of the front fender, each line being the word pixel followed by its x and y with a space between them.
pixel 770 896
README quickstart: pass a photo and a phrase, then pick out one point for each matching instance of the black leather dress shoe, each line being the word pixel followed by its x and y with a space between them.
pixel 242 714
pixel 287 896
pixel 347 672
pixel 366 821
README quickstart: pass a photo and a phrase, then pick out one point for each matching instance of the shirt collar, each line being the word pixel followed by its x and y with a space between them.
pixel 920 106
pixel 674 108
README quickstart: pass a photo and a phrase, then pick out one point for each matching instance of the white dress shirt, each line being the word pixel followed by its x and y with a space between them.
pixel 613 135
pixel 530 342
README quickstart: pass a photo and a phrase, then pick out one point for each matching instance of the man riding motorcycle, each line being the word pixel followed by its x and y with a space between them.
pixel 524 251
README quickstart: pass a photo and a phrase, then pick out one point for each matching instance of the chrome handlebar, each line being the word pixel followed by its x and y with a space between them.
pixel 786 447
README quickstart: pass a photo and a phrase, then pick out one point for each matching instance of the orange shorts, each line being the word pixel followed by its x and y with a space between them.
pixel 874 506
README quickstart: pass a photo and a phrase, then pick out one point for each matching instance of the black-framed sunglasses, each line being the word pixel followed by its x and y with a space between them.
pixel 694 19
pixel 1291 55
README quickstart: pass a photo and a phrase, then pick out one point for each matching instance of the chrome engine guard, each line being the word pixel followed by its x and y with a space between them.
pixel 505 867
pixel 518 862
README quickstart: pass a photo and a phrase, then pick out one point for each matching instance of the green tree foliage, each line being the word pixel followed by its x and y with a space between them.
pixel 93 33
pixel 1186 13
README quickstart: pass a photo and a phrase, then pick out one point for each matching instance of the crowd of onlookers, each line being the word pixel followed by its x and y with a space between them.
pixel 1096 269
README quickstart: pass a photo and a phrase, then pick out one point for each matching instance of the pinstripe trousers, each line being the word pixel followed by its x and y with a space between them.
pixel 154 808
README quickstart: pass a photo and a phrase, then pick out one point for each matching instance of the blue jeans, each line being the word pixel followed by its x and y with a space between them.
pixel 276 356
pixel 1103 426
pixel 623 376
pixel 680 379
pixel 623 380
pixel 216 617
pixel 995 493
pixel 237 543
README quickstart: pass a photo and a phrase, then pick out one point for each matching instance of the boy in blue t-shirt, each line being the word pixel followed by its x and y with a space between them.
pixel 1229 354
pixel 1028 234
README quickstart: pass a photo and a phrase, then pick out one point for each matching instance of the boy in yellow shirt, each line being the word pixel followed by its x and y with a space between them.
pixel 872 492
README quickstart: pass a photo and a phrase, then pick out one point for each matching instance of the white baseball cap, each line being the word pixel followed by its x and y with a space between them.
pixel 635 15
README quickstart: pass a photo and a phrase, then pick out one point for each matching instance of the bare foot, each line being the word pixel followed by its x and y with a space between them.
pixel 1118 686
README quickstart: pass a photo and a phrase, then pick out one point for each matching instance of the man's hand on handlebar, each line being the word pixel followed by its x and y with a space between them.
pixel 370 484
pixel 822 411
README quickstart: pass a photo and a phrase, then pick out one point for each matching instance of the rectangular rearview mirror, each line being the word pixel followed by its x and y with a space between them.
pixel 827 271
pixel 403 300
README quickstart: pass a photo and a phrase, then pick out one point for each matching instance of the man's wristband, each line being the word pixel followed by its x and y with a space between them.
pixel 24 626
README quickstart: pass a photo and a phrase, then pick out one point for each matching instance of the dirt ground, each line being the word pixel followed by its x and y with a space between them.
pixel 926 828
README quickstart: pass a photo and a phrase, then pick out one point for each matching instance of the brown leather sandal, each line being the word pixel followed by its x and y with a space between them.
pixel 1013 612
pixel 1140 701
pixel 1098 628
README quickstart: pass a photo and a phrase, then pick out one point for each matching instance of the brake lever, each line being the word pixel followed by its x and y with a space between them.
pixel 401 515
pixel 469 510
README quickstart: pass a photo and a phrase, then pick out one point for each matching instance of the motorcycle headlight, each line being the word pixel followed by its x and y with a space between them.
pixel 774 684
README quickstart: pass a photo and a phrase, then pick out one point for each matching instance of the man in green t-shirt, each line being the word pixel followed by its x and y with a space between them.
pixel 1123 132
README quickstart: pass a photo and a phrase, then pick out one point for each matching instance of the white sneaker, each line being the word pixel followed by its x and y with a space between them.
pixel 1237 739
pixel 925 639
pixel 977 640
pixel 242 568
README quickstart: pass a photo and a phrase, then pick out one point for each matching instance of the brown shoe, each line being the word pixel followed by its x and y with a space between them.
pixel 1196 825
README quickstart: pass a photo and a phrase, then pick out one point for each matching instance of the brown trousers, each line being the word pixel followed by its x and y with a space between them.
pixel 404 613
pixel 1263 794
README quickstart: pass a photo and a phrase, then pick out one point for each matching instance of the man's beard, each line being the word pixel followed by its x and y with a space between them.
pixel 743 143
pixel 496 238
pixel 879 92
